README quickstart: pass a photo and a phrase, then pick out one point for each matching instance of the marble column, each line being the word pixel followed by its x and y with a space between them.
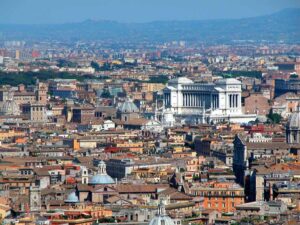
pixel 193 100
pixel 187 99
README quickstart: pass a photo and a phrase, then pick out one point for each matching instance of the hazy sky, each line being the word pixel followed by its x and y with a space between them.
pixel 62 11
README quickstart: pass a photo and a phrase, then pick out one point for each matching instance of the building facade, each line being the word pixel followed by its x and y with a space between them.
pixel 222 197
pixel 206 102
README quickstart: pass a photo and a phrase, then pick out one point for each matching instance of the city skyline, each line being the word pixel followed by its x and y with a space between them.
pixel 158 112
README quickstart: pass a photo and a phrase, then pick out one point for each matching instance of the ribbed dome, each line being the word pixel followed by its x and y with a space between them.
pixel 10 107
pixel 128 107
pixel 161 218
pixel 72 198
pixel 101 177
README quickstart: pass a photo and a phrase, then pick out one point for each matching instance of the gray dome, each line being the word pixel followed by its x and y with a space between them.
pixel 72 198
pixel 10 107
pixel 101 177
pixel 128 107
pixel 161 218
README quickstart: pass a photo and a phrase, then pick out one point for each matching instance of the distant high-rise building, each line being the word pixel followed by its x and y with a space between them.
pixel 297 66
pixel 35 54
pixel 17 54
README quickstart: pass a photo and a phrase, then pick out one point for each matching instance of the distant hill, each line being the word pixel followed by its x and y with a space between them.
pixel 281 26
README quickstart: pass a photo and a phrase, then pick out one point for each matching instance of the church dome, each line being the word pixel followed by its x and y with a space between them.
pixel 10 107
pixel 161 218
pixel 72 198
pixel 128 107
pixel 101 177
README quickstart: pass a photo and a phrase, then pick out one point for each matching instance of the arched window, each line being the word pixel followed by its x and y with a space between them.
pixel 295 136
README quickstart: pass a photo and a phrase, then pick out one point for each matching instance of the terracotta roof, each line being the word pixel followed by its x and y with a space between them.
pixel 267 145
pixel 84 187
pixel 137 121
pixel 175 195
pixel 24 93
pixel 41 172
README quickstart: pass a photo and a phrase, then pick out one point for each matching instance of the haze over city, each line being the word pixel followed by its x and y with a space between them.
pixel 68 11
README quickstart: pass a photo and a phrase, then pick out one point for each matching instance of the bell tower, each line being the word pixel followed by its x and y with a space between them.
pixel 102 167
pixel 84 175
pixel 41 92
pixel 35 199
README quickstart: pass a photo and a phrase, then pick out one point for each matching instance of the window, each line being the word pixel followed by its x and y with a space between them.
pixel 295 136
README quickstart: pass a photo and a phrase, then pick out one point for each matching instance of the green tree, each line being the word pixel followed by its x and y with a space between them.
pixel 29 78
pixel 181 170
pixel 106 67
pixel 274 117
pixel 65 63
pixel 195 177
pixel 106 94
pixel 95 65
pixel 159 79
